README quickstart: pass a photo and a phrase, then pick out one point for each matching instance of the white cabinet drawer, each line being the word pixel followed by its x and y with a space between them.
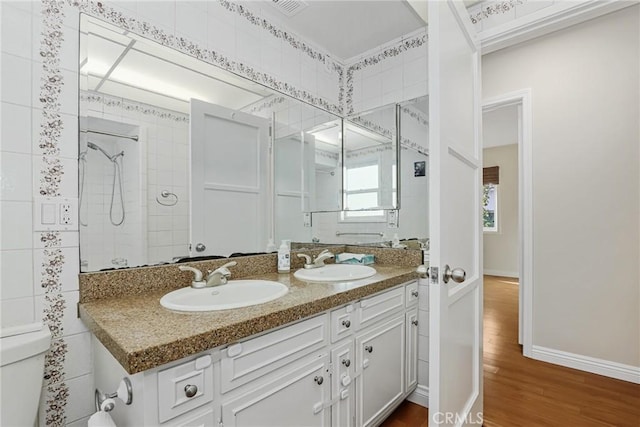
pixel 343 322
pixel 379 306
pixel 185 387
pixel 252 359
pixel 411 294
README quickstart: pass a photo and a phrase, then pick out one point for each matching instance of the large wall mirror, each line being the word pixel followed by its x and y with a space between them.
pixel 180 158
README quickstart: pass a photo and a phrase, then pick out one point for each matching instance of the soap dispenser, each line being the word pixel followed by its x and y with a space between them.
pixel 284 258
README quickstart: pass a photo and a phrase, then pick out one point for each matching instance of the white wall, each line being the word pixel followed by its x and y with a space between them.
pixel 501 247
pixel 586 187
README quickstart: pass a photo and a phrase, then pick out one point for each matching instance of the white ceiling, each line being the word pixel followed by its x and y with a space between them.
pixel 349 28
pixel 500 127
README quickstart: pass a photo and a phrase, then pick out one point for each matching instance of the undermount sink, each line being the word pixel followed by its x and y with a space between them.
pixel 235 294
pixel 335 273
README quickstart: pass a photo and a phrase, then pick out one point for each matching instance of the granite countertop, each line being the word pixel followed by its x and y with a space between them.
pixel 141 334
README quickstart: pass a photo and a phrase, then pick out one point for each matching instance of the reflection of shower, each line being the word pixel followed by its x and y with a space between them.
pixel 117 175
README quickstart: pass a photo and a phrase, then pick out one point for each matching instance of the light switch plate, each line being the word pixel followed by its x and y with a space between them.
pixel 392 218
pixel 55 214
pixel 306 219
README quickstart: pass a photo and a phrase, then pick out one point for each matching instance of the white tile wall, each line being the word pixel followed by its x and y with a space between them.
pixel 16 274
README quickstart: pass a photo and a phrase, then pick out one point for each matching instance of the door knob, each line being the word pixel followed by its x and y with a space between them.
pixel 457 274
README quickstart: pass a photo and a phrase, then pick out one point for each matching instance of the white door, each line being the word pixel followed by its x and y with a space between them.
pixel 455 161
pixel 229 181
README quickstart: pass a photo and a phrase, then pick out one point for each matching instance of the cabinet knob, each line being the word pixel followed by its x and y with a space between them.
pixel 414 293
pixel 346 362
pixel 414 322
pixel 369 348
pixel 319 380
pixel 190 390
pixel 346 323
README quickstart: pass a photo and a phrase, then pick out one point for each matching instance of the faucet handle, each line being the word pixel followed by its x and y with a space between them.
pixel 307 258
pixel 230 264
pixel 197 279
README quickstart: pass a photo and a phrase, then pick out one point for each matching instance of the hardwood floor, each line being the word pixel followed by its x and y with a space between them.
pixel 523 392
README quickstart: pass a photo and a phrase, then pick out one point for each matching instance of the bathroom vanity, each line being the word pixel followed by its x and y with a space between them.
pixel 325 354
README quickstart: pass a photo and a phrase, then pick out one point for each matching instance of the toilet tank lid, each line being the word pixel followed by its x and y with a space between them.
pixel 18 343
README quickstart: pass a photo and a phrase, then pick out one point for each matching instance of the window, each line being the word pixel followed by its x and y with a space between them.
pixel 490 181
pixel 363 189
pixel 361 192
pixel 490 207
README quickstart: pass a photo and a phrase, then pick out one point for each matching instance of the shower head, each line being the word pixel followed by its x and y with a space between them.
pixel 98 148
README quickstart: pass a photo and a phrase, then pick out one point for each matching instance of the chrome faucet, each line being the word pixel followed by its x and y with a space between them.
pixel 318 261
pixel 219 276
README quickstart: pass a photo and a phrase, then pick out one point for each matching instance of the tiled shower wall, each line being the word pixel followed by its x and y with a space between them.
pixel 39 143
pixel 164 151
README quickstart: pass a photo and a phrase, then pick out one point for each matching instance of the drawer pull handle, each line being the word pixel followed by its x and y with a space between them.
pixel 414 293
pixel 190 390
pixel 346 323
pixel 369 349
pixel 346 362
pixel 414 322
pixel 319 380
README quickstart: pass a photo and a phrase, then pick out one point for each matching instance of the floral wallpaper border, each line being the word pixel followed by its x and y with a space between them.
pixel 134 106
pixel 56 391
pixel 497 8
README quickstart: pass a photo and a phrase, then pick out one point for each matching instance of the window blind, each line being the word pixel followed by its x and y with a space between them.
pixel 491 175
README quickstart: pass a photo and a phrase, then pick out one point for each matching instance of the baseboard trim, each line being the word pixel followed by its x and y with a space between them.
pixel 589 364
pixel 501 273
pixel 420 396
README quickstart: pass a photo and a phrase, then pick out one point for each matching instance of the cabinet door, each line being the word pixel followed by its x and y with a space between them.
pixel 412 350
pixel 342 385
pixel 298 396
pixel 381 358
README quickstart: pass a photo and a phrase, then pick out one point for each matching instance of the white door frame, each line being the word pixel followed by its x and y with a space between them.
pixel 522 98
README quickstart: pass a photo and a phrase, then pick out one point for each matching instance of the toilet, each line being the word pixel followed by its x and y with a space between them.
pixel 22 351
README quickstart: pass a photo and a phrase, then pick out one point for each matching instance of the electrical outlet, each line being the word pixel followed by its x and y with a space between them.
pixel 66 214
